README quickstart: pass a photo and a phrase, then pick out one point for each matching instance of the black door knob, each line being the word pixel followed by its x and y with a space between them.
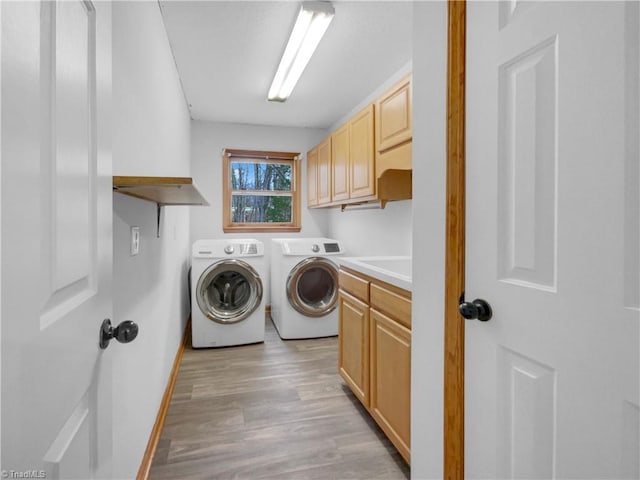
pixel 478 309
pixel 126 332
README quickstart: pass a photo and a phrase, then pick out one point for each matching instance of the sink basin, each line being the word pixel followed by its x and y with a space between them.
pixel 398 265
pixel 395 270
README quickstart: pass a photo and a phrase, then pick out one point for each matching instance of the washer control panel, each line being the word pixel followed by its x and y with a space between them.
pixel 242 249
pixel 227 248
pixel 249 249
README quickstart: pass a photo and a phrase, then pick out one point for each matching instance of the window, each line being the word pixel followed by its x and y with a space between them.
pixel 261 191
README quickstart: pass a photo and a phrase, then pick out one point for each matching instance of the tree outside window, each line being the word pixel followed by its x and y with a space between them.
pixel 261 191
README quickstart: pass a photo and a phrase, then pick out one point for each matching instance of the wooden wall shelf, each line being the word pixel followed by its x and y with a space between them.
pixel 395 184
pixel 161 190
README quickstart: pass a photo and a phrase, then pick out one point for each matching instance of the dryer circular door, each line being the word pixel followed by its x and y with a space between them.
pixel 229 291
pixel 312 287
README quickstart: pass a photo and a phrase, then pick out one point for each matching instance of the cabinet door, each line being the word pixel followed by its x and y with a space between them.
pixel 324 172
pixel 391 380
pixel 312 177
pixel 361 154
pixel 393 116
pixel 340 163
pixel 353 345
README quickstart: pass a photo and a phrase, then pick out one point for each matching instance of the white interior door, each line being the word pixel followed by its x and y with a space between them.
pixel 552 239
pixel 56 238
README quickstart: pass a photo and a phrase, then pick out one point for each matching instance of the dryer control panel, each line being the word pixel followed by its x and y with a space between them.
pixel 326 248
pixel 332 247
pixel 304 247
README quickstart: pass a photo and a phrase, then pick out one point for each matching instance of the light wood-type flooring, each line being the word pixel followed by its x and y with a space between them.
pixel 277 410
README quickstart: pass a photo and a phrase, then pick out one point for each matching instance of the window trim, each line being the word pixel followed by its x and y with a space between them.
pixel 266 157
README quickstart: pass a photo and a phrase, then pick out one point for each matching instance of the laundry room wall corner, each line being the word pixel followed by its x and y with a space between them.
pixel 151 137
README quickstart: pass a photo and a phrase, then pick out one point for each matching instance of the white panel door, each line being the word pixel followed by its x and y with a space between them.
pixel 56 238
pixel 552 240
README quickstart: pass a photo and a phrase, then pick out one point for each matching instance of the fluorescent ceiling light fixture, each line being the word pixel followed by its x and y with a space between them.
pixel 313 20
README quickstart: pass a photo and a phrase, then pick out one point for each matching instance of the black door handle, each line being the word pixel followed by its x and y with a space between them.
pixel 126 332
pixel 478 309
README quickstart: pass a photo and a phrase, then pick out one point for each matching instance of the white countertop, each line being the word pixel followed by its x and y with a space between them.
pixel 395 270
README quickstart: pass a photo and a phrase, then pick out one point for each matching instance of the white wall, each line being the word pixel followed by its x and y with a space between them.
pixel 151 136
pixel 373 231
pixel 429 168
pixel 208 139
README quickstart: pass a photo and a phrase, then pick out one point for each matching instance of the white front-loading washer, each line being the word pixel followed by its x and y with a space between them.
pixel 304 287
pixel 227 285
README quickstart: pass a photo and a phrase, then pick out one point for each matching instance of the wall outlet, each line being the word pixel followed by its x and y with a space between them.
pixel 135 241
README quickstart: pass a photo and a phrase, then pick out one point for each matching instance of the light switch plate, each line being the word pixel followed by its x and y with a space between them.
pixel 135 240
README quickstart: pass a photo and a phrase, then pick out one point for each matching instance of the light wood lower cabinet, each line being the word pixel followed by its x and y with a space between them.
pixel 390 379
pixel 375 352
pixel 353 339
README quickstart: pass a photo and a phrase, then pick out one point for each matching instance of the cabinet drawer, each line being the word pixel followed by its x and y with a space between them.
pixel 354 285
pixel 391 303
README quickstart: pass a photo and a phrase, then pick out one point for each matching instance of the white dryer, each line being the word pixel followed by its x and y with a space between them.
pixel 227 303
pixel 304 287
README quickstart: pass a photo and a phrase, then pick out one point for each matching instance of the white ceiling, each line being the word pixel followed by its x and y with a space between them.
pixel 227 53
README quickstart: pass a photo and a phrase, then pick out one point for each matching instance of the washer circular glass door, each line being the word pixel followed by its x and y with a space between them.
pixel 229 291
pixel 312 287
